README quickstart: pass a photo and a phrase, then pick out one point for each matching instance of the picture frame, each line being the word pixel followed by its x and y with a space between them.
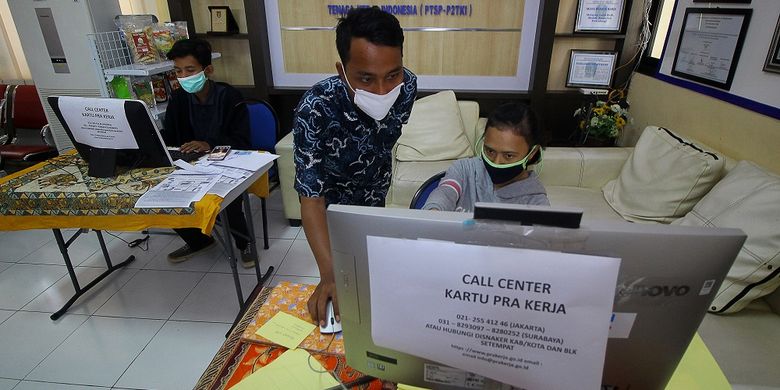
pixel 711 33
pixel 772 63
pixel 591 68
pixel 600 16
pixel 222 20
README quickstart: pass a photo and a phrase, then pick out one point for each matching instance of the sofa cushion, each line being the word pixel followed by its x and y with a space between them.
pixel 663 179
pixel 589 199
pixel 748 198
pixel 435 131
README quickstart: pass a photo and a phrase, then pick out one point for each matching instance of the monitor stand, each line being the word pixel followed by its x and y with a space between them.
pixel 102 162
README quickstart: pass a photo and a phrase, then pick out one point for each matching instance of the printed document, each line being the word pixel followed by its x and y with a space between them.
pixel 246 159
pixel 177 191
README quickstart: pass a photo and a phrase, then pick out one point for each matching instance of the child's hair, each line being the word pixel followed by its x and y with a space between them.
pixel 518 118
pixel 198 48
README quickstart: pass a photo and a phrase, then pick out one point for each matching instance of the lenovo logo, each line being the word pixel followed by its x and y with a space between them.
pixel 653 291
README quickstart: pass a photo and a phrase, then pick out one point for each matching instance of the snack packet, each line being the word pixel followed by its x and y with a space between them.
pixel 158 87
pixel 137 30
pixel 163 40
pixel 180 30
pixel 173 82
pixel 120 87
pixel 142 89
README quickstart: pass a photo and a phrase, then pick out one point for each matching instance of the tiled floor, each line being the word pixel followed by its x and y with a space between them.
pixel 151 325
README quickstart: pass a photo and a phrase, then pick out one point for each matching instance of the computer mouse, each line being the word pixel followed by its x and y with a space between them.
pixel 331 325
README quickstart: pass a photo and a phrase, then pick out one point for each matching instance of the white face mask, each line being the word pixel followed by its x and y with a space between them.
pixel 376 106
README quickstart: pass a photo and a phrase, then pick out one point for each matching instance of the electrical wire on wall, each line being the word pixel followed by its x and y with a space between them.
pixel 645 35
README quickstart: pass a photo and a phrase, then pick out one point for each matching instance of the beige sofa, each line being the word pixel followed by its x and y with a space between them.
pixel 406 178
pixel 746 345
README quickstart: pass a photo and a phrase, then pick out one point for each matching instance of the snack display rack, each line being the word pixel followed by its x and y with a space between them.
pixel 111 57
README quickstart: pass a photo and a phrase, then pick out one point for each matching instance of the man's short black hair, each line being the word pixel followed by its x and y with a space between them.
pixel 198 48
pixel 370 23
pixel 518 118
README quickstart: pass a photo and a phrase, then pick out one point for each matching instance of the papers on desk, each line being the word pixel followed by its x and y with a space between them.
pixel 294 369
pixel 189 169
pixel 191 182
pixel 245 159
pixel 286 330
pixel 229 179
pixel 177 191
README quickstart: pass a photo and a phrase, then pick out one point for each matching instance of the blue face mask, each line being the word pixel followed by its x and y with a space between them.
pixel 194 83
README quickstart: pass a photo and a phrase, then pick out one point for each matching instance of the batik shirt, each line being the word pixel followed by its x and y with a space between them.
pixel 341 153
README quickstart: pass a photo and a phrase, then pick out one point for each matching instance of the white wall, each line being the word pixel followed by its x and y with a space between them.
pixel 13 65
pixel 750 81
pixel 158 8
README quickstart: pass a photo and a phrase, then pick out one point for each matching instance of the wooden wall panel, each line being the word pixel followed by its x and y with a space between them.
pixel 451 53
pixel 567 14
pixel 430 53
pixel 235 66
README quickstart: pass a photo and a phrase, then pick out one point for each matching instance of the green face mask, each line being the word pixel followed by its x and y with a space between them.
pixel 502 173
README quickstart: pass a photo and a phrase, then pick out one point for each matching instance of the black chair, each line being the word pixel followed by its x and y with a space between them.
pixel 419 198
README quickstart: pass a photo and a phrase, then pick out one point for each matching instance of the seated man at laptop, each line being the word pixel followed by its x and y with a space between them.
pixel 203 114
pixel 511 143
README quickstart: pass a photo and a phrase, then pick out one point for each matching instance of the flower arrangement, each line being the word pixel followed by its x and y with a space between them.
pixel 603 120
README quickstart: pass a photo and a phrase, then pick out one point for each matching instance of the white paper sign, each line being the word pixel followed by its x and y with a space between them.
pixel 532 319
pixel 100 123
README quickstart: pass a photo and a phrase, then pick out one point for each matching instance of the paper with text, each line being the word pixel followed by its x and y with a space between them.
pixel 291 370
pixel 100 123
pixel 533 319
pixel 285 330
pixel 177 191
pixel 246 159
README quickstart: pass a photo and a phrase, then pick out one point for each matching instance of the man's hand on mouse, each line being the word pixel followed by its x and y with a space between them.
pixel 195 146
pixel 318 301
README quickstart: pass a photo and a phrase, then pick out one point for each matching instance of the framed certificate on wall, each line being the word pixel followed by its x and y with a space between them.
pixel 222 20
pixel 599 16
pixel 591 69
pixel 772 63
pixel 710 44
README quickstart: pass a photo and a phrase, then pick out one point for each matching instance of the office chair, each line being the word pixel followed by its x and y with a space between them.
pixel 23 110
pixel 263 128
pixel 263 134
pixel 419 198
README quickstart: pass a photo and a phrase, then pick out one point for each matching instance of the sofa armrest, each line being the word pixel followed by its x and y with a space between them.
pixel 582 167
pixel 292 205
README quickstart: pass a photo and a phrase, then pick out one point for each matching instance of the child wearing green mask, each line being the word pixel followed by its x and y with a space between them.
pixel 512 144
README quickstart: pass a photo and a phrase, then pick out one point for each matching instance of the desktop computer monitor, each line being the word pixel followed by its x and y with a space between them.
pixel 668 276
pixel 111 133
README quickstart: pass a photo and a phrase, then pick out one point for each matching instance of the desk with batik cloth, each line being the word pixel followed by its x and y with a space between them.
pixel 58 194
pixel 245 352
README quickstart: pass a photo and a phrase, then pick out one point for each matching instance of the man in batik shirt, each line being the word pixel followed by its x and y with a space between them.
pixel 344 130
